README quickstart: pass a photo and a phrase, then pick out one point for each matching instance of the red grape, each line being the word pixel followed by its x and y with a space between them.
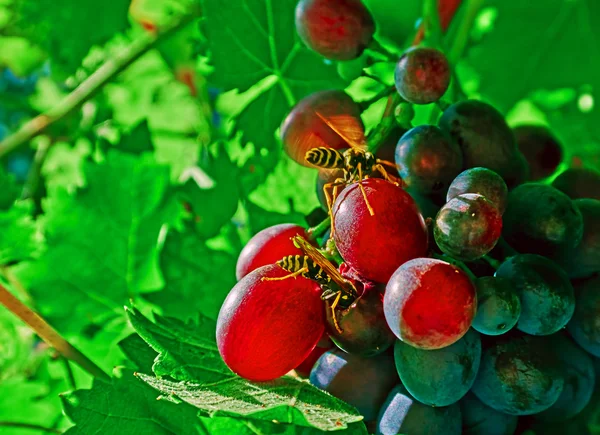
pixel 336 29
pixel 307 365
pixel 429 303
pixel 267 247
pixel 303 129
pixel 579 183
pixel 266 328
pixel 467 227
pixel 376 245
pixel 422 75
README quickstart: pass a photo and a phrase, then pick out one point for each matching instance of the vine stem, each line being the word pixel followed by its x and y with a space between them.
pixel 320 228
pixel 108 71
pixel 461 39
pixel 49 334
pixel 18 425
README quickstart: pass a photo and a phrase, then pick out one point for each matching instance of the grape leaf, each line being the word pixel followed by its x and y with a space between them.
pixel 127 406
pixel 187 355
pixel 66 29
pixel 19 238
pixel 192 285
pixel 556 46
pixel 9 192
pixel 103 243
pixel 253 44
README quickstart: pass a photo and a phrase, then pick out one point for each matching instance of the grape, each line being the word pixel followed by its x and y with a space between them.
pixel 467 227
pixel 422 75
pixel 429 303
pixel 376 245
pixel 485 139
pixel 362 382
pixel 540 219
pixel 402 414
pixel 541 149
pixel 266 328
pixel 306 366
pixel 519 376
pixel 364 329
pixel 580 379
pixel 547 297
pixel 404 114
pixel 439 377
pixel 579 183
pixel 479 419
pixel 336 29
pixel 585 325
pixel 584 259
pixel 303 130
pixel 498 305
pixel 267 247
pixel 387 149
pixel 428 159
pixel 482 181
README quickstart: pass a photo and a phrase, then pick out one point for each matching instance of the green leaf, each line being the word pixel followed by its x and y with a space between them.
pixel 127 406
pixel 138 352
pixel 556 47
pixel 103 243
pixel 67 29
pixel 19 238
pixel 202 380
pixel 253 44
pixel 138 140
pixel 9 191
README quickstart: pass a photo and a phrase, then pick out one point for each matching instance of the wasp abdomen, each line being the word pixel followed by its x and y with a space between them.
pixel 325 158
pixel 294 263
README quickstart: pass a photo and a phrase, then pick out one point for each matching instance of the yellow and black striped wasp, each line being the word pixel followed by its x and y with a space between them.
pixel 314 266
pixel 357 163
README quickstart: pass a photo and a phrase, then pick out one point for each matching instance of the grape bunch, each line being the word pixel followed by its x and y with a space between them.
pixel 456 291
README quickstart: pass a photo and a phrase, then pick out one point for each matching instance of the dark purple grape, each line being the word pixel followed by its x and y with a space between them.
pixel 336 29
pixel 364 329
pixel 485 139
pixel 482 181
pixel 362 382
pixel 422 75
pixel 519 376
pixel 583 260
pixel 402 414
pixel 498 305
pixel 547 297
pixel 439 377
pixel 427 159
pixel 580 380
pixel 541 149
pixel 584 327
pixel 480 419
pixel 579 183
pixel 540 219
pixel 467 227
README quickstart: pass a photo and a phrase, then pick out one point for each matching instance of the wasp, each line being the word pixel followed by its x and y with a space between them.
pixel 357 163
pixel 314 266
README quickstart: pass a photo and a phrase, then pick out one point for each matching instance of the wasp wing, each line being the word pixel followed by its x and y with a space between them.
pixel 348 128
pixel 314 254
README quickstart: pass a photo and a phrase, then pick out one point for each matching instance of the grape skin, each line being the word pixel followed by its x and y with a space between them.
pixel 584 326
pixel 498 306
pixel 547 296
pixel 362 382
pixel 267 247
pixel 266 328
pixel 579 183
pixel 439 377
pixel 480 419
pixel 483 181
pixel 402 414
pixel 541 149
pixel 467 227
pixel 422 75
pixel 429 303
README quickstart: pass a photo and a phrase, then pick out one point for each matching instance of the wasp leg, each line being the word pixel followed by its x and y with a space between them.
pixel 333 306
pixel 330 200
pixel 362 189
pixel 281 278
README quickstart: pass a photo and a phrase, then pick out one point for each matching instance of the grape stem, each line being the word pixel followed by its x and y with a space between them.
pixel 84 92
pixel 491 261
pixel 49 334
pixel 319 229
pixel 382 130
pixel 461 39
